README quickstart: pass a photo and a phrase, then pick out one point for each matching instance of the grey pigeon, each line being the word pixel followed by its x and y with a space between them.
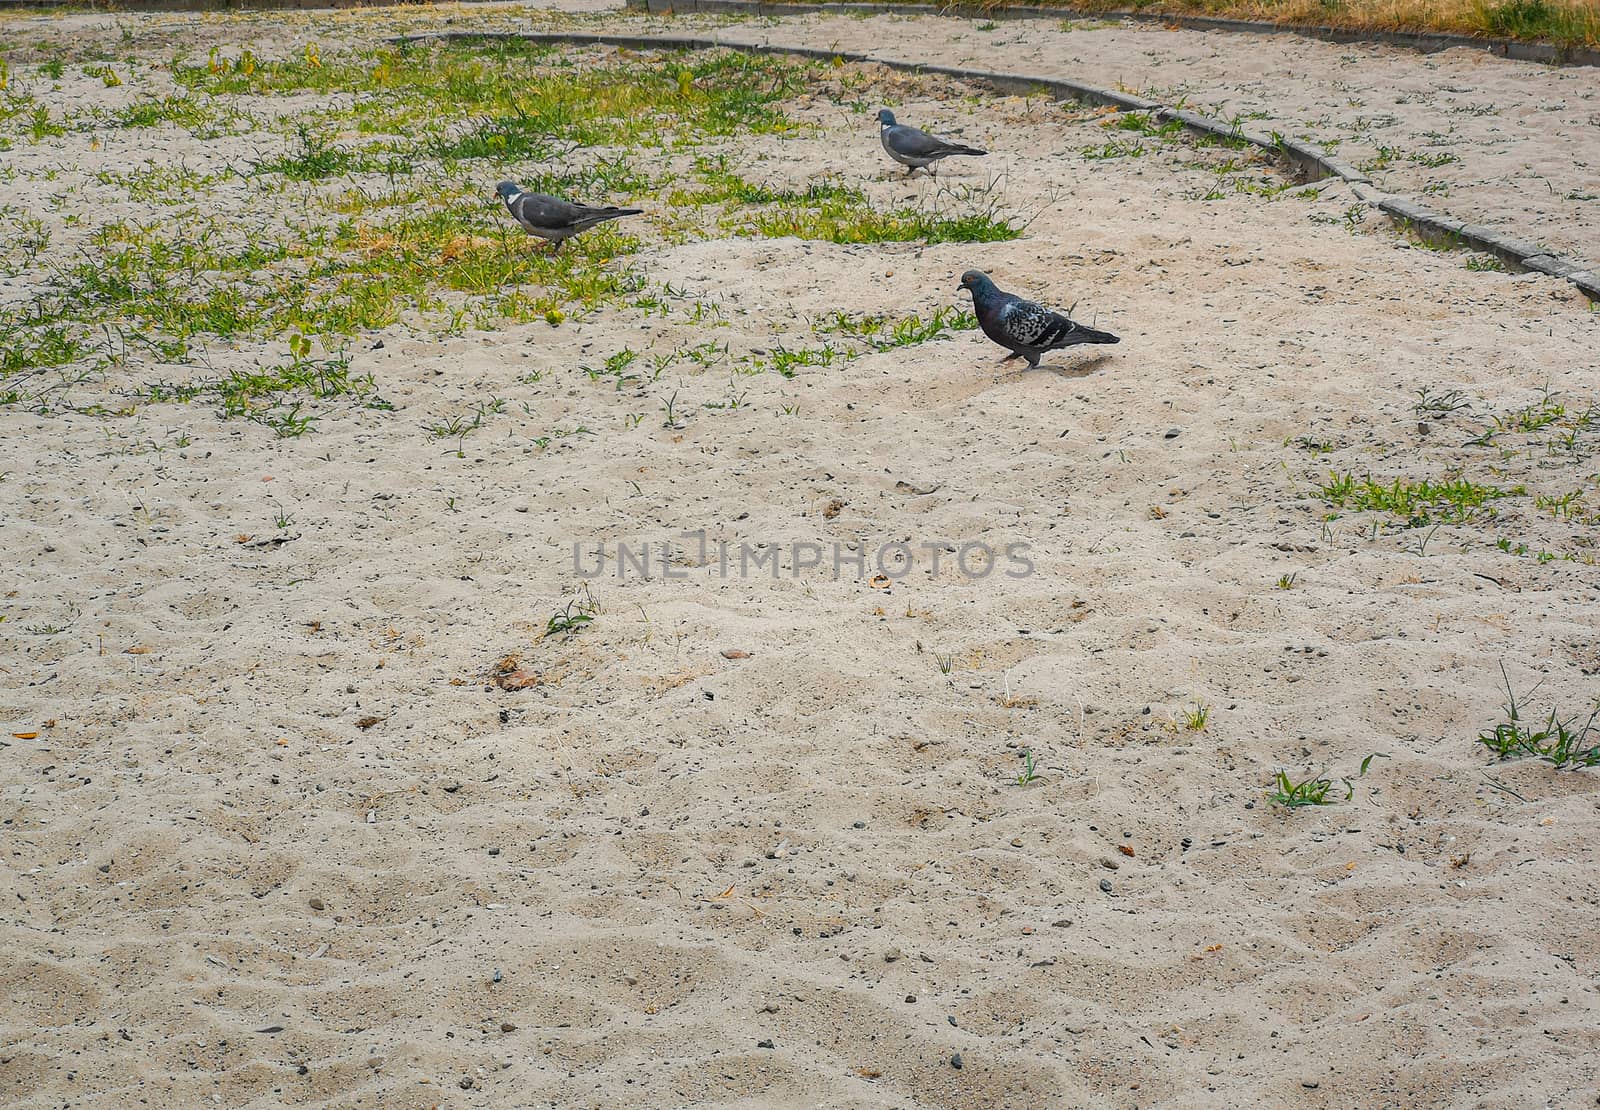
pixel 916 149
pixel 552 218
pixel 1028 330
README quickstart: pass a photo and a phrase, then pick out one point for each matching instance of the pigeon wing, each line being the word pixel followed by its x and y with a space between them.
pixel 1033 325
pixel 914 143
pixel 1029 324
pixel 541 210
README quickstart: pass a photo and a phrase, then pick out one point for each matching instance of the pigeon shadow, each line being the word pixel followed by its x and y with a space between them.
pixel 1076 370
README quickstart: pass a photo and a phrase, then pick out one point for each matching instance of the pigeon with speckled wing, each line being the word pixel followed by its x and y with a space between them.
pixel 916 149
pixel 1026 329
pixel 552 218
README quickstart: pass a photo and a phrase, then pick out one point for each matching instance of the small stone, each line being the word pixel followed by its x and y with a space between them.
pixel 104 869
pixel 951 1018
pixel 507 1027
pixel 956 1062
pixel 1172 433
pixel 1016 842
pixel 765 1044
pixel 494 851
pixel 1309 1084
pixel 859 825
pixel 1027 930
pixel 1105 885
pixel 466 1082
pixel 1109 864
pixel 1064 923
pixel 911 998
pixel 317 903
pixel 1187 843
pixel 892 955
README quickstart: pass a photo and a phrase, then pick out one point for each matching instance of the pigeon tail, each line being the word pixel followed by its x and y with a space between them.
pixel 1081 334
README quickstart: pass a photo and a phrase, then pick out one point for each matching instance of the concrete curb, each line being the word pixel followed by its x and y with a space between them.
pixel 1307 160
pixel 1426 42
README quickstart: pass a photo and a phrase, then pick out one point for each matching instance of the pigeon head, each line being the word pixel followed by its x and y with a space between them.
pixel 506 190
pixel 886 117
pixel 977 283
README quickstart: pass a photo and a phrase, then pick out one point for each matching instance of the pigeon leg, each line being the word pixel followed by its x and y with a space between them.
pixel 1033 362
pixel 1012 355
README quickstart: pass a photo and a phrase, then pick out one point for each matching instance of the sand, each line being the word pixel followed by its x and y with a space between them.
pixel 276 835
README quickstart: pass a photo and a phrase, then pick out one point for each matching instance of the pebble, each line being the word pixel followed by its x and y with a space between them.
pixel 765 1044
pixel 859 825
pixel 911 998
pixel 1187 843
pixel 892 955
pixel 466 1082
pixel 1171 433
pixel 1105 885
pixel 951 1018
pixel 1064 923
pixel 1109 864
pixel 507 1027
pixel 494 851
pixel 317 904
pixel 956 1062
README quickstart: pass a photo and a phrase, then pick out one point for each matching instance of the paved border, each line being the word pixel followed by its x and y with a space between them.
pixel 1306 160
pixel 1427 42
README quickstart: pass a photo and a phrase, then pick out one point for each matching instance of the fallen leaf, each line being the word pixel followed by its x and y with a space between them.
pixel 136 649
pixel 26 735
pixel 726 893
pixel 1125 849
pixel 735 653
pixel 368 722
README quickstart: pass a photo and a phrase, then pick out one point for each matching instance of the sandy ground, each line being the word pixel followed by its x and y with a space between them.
pixel 273 836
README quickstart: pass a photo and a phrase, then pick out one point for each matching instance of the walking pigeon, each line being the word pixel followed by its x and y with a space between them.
pixel 552 218
pixel 1028 330
pixel 916 149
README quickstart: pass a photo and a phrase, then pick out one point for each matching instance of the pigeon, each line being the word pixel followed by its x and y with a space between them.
pixel 552 218
pixel 1027 329
pixel 916 149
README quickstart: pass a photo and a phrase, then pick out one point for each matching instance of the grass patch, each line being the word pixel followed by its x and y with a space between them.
pixel 1560 743
pixel 1454 500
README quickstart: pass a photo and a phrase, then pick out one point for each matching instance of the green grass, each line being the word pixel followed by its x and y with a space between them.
pixel 524 101
pixel 1315 789
pixel 836 212
pixel 1454 500
pixel 1560 743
